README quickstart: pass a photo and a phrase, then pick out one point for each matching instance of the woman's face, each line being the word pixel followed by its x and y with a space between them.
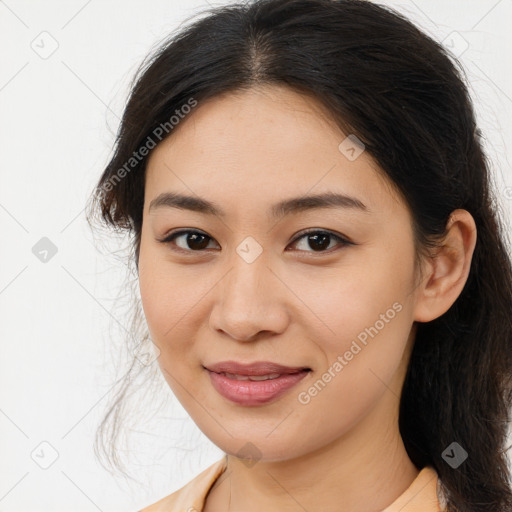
pixel 249 285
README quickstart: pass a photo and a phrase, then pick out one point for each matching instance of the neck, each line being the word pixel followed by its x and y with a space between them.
pixel 363 471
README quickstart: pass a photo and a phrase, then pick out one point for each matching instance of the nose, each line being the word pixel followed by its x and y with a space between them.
pixel 250 302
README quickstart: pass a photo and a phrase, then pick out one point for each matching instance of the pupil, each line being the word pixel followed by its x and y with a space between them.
pixel 192 239
pixel 324 241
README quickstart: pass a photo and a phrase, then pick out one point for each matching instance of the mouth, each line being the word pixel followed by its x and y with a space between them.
pixel 256 383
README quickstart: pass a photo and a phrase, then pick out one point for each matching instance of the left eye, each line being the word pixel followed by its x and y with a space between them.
pixel 320 240
pixel 196 241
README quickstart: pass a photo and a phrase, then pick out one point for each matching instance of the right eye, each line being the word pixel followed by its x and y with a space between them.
pixel 191 240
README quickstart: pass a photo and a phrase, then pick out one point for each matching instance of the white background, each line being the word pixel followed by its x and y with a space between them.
pixel 59 326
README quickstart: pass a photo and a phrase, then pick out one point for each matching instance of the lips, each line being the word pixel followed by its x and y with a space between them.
pixel 254 384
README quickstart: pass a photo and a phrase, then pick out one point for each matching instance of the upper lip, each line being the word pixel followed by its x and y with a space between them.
pixel 256 368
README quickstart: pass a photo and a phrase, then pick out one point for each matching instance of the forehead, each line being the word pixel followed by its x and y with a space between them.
pixel 268 143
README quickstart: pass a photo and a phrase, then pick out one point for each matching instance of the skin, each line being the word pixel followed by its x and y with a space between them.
pixel 292 305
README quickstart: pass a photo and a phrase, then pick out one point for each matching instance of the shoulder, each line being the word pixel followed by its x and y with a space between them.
pixel 423 495
pixel 191 497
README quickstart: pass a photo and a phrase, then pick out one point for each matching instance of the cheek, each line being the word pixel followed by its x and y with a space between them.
pixel 165 309
pixel 360 361
pixel 357 301
pixel 173 300
pixel 370 312
pixel 161 287
pixel 161 292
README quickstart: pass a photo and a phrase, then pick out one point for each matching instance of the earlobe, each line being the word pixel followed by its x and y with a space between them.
pixel 448 268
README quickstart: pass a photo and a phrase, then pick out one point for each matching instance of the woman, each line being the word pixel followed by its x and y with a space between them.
pixel 320 263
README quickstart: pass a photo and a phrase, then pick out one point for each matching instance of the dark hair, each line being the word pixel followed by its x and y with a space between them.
pixel 399 92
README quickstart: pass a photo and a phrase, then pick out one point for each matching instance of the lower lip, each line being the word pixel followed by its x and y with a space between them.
pixel 251 392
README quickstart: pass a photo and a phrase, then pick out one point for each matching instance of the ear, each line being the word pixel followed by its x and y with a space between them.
pixel 447 269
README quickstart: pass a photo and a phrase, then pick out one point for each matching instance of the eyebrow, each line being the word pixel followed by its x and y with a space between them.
pixel 278 210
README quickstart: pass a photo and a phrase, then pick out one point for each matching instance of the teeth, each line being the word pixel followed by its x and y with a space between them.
pixel 252 377
pixel 265 377
pixel 235 377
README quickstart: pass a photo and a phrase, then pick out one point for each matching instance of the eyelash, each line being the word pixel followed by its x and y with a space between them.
pixel 169 239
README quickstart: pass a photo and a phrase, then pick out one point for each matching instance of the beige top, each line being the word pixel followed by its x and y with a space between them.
pixel 420 496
